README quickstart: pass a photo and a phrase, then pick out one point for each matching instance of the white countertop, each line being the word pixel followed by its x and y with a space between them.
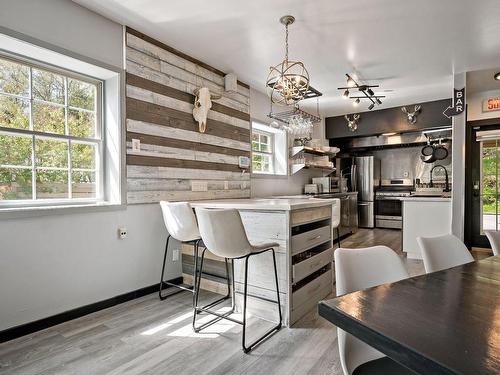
pixel 425 199
pixel 272 204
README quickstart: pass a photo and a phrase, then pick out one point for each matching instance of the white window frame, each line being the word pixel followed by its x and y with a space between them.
pixel 270 154
pixel 97 140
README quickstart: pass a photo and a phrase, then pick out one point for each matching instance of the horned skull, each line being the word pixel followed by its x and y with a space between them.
pixel 202 104
pixel 411 116
pixel 352 124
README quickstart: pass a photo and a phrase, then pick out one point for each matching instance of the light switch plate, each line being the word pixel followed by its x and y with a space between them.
pixel 136 144
pixel 199 186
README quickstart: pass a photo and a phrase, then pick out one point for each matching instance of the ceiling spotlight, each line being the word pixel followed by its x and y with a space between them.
pixel 345 95
pixel 497 76
pixel 370 91
pixel 350 82
pixel 370 107
pixel 356 102
pixel 378 101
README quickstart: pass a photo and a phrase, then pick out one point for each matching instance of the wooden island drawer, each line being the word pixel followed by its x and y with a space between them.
pixel 307 297
pixel 310 214
pixel 314 263
pixel 307 240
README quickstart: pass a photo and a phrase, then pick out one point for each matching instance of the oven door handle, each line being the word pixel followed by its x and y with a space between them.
pixel 363 204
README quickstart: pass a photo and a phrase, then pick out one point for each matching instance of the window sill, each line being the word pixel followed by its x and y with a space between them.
pixel 268 176
pixel 25 212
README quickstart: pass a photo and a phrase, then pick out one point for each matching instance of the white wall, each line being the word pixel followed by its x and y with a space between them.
pixel 66 25
pixel 264 186
pixel 51 264
pixel 475 105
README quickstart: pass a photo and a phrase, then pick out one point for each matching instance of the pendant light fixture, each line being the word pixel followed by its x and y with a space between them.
pixel 288 82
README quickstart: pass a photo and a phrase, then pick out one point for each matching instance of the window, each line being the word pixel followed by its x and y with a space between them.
pixel 262 152
pixel 50 135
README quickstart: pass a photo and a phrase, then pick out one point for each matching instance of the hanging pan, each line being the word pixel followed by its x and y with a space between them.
pixel 428 153
pixel 440 152
pixel 428 149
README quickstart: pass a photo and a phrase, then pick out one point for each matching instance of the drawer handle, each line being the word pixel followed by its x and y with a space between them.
pixel 315 238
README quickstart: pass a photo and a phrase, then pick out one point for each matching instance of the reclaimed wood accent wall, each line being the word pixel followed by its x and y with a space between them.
pixel 173 154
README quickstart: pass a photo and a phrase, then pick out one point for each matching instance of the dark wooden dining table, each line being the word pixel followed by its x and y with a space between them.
pixel 446 322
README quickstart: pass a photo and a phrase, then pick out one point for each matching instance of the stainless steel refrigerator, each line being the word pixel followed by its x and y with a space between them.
pixel 367 178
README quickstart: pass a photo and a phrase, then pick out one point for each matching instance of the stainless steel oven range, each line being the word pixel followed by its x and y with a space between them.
pixel 388 207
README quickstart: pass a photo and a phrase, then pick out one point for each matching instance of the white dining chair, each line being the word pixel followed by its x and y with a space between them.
pixel 442 252
pixel 336 218
pixel 224 235
pixel 181 225
pixel 358 269
pixel 494 238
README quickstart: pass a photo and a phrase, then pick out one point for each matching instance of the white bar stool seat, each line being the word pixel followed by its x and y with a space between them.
pixel 224 235
pixel 181 225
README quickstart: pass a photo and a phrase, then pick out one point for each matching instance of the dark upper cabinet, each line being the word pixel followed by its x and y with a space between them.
pixel 390 120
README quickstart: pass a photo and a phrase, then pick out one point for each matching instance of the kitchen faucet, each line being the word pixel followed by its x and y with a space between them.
pixel 446 184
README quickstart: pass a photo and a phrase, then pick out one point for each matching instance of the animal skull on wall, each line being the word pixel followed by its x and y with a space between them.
pixel 352 124
pixel 411 116
pixel 202 104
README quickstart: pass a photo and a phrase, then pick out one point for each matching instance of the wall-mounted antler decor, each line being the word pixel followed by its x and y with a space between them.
pixel 352 124
pixel 412 116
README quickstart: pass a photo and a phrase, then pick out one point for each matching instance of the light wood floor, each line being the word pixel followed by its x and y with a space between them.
pixel 149 336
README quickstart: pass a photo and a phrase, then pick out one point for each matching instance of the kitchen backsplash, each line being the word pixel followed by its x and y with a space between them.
pixel 405 163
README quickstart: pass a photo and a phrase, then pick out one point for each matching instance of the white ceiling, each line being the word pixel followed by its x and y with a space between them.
pixel 411 48
pixel 483 80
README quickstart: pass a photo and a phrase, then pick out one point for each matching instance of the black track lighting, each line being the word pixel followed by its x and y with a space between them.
pixel 378 101
pixel 345 95
pixel 370 107
pixel 356 102
pixel 350 82
pixel 370 91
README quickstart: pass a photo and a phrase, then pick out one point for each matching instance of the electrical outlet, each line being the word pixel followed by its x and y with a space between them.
pixel 406 174
pixel 136 144
pixel 226 185
pixel 175 255
pixel 122 233
pixel 199 186
pixel 243 185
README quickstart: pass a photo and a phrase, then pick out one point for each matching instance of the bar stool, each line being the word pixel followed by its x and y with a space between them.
pixel 223 234
pixel 180 222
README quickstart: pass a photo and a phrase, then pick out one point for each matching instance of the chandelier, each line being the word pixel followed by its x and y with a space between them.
pixel 288 81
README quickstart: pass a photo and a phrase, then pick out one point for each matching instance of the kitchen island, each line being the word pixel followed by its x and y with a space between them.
pixel 424 217
pixel 302 228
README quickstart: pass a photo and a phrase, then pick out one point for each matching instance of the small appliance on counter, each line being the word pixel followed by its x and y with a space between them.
pixel 324 183
pixel 312 189
pixel 331 184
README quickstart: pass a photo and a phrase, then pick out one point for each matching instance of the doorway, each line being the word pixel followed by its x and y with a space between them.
pixel 482 189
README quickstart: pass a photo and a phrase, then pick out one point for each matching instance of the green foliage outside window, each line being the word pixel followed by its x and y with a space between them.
pixel 59 105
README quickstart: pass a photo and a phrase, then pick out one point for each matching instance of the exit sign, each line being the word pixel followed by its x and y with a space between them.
pixel 491 104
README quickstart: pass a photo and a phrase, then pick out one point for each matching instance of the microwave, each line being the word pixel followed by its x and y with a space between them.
pixel 331 184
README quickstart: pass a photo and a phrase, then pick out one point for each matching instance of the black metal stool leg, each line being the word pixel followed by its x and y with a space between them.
pixel 338 235
pixel 163 269
pixel 195 271
pixel 199 309
pixel 179 287
pixel 276 328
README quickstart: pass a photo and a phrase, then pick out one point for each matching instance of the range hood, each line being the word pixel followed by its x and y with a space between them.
pixel 393 140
